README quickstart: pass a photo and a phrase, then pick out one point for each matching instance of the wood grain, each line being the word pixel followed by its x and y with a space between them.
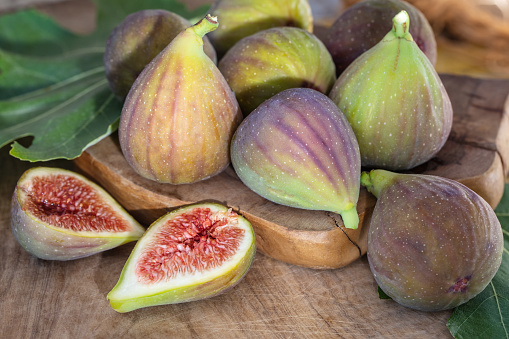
pixel 476 154
pixel 45 299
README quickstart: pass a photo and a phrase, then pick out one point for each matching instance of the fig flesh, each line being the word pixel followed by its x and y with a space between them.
pixel 364 24
pixel 179 117
pixel 136 41
pixel 297 149
pixel 241 18
pixel 395 101
pixel 433 243
pixel 268 62
pixel 57 214
pixel 192 253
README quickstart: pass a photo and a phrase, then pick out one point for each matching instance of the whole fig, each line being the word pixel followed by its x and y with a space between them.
pixel 364 24
pixel 180 115
pixel 136 41
pixel 241 18
pixel 395 101
pixel 433 243
pixel 57 214
pixel 297 149
pixel 263 64
pixel 191 253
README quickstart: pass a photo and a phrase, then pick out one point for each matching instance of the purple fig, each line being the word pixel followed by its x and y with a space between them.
pixel 179 117
pixel 268 62
pixel 433 243
pixel 395 101
pixel 364 24
pixel 194 252
pixel 136 41
pixel 241 18
pixel 297 149
pixel 57 214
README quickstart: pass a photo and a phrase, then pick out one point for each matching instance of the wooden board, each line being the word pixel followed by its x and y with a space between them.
pixel 476 154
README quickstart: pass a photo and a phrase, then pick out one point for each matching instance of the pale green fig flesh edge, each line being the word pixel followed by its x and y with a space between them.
pixel 214 286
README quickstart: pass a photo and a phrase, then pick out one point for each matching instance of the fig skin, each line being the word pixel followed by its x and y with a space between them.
pixel 46 240
pixel 395 101
pixel 364 24
pixel 136 41
pixel 297 149
pixel 242 18
pixel 268 62
pixel 433 243
pixel 179 117
pixel 133 292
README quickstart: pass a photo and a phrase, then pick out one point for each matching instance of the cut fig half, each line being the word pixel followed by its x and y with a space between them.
pixel 192 253
pixel 57 214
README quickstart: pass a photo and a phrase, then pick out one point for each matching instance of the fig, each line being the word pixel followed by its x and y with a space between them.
pixel 241 18
pixel 364 24
pixel 194 252
pixel 297 149
pixel 179 117
pixel 433 243
pixel 136 41
pixel 268 62
pixel 395 101
pixel 57 214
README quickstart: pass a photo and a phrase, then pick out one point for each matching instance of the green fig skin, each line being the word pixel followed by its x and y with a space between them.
pixel 60 215
pixel 395 101
pixel 297 149
pixel 241 18
pixel 179 117
pixel 364 24
pixel 136 41
pixel 268 62
pixel 137 288
pixel 433 243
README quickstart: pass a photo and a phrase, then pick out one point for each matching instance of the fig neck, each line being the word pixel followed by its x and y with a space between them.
pixel 377 180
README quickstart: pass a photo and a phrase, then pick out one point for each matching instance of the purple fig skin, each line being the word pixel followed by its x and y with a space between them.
pixel 364 24
pixel 136 41
pixel 180 115
pixel 51 240
pixel 242 18
pixel 297 149
pixel 268 62
pixel 433 243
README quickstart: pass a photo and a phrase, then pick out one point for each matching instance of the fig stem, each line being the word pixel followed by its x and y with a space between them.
pixel 401 26
pixel 376 180
pixel 350 218
pixel 205 25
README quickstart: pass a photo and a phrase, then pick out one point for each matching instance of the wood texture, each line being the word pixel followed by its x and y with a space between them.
pixel 476 154
pixel 45 299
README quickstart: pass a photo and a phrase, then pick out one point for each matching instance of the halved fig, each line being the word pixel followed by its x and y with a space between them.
pixel 57 214
pixel 194 252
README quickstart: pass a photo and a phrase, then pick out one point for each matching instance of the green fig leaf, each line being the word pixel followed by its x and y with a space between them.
pixel 52 81
pixel 487 315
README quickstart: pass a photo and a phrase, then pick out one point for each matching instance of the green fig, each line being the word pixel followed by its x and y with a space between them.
pixel 364 24
pixel 297 149
pixel 194 252
pixel 395 101
pixel 433 243
pixel 136 41
pixel 57 214
pixel 241 18
pixel 179 117
pixel 268 62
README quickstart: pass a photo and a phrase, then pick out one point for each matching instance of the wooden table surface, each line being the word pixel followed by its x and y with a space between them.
pixel 46 299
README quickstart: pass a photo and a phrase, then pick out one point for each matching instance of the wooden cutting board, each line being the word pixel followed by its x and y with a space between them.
pixel 476 154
